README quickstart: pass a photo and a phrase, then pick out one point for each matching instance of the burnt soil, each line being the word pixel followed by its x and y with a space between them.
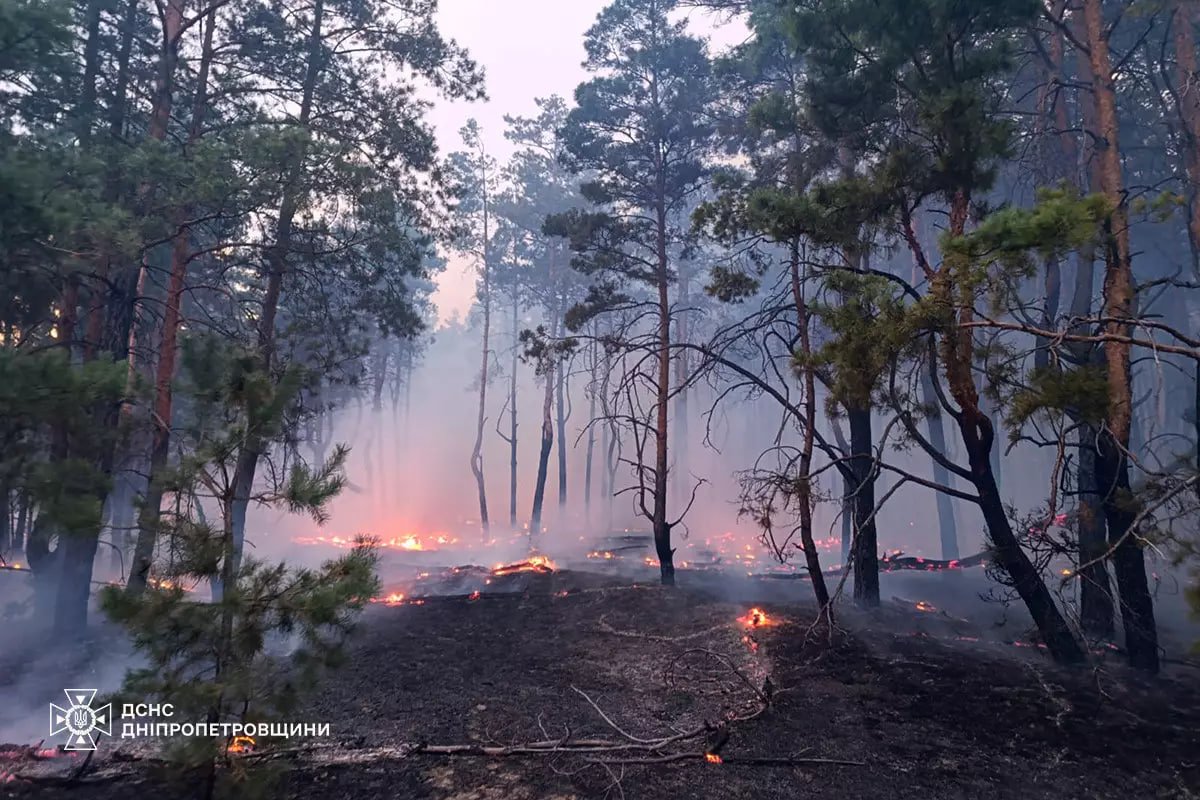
pixel 925 709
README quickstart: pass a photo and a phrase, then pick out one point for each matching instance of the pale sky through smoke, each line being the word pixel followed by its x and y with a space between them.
pixel 529 49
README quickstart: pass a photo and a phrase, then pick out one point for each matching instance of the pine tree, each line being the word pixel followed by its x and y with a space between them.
pixel 640 127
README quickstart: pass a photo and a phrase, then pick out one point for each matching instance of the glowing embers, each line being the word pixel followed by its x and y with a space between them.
pixel 531 564
pixel 712 758
pixel 928 608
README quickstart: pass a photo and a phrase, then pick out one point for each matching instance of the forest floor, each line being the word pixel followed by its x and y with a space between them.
pixel 924 704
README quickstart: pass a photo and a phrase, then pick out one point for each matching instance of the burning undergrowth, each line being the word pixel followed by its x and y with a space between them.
pixel 578 685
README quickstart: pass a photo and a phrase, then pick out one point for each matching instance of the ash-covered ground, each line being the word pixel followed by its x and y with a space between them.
pixel 621 689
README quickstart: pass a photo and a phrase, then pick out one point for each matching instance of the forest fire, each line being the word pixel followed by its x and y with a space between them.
pixel 411 542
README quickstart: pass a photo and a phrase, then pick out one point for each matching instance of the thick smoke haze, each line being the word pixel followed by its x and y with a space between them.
pixel 409 471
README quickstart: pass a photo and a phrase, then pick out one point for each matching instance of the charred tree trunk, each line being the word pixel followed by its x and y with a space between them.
pixel 512 410
pixel 681 377
pixel 812 558
pixel 591 434
pixel 6 532
pixel 609 442
pixel 477 450
pixel 947 529
pixel 978 437
pixel 662 526
pixel 1095 591
pixel 22 526
pixel 380 377
pixel 539 487
pixel 847 515
pixel 560 403
pixel 866 541
pixel 1112 463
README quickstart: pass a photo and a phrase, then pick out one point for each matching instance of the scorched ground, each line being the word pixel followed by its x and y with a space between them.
pixel 453 697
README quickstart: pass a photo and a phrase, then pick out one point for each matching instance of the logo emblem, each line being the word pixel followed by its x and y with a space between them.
pixel 79 720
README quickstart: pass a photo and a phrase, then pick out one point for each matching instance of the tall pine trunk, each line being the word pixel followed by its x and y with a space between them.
pixel 591 435
pixel 978 436
pixel 865 546
pixel 512 411
pixel 1095 588
pixel 481 420
pixel 78 550
pixel 547 443
pixel 1187 92
pixel 935 426
pixel 1112 463
pixel 560 405
pixel 276 264
pixel 662 526
pixel 168 349
pixel 812 558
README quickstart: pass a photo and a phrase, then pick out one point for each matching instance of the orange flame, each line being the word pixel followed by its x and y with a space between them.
pixel 473 595
pixel 712 758
pixel 532 564
pixel 927 607
pixel 241 744
pixel 756 618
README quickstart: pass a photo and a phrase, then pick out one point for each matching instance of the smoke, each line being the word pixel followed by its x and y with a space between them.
pixel 34 672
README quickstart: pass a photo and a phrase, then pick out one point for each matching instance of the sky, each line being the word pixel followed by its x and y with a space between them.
pixel 528 49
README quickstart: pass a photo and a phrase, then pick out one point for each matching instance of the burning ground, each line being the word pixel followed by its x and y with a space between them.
pixel 565 684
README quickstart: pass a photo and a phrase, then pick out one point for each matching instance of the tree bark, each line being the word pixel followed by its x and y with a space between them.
pixel 1187 92
pixel 512 410
pixel 1095 588
pixel 847 515
pixel 477 451
pixel 662 526
pixel 560 403
pixel 978 437
pixel 591 435
pixel 1112 463
pixel 164 377
pixel 947 529
pixel 866 541
pixel 539 487
pixel 812 558
pixel 78 550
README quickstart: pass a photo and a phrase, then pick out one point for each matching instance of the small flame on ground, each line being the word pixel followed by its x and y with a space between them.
pixel 755 618
pixel 532 564
pixel 473 595
pixel 927 607
pixel 712 758
pixel 241 744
